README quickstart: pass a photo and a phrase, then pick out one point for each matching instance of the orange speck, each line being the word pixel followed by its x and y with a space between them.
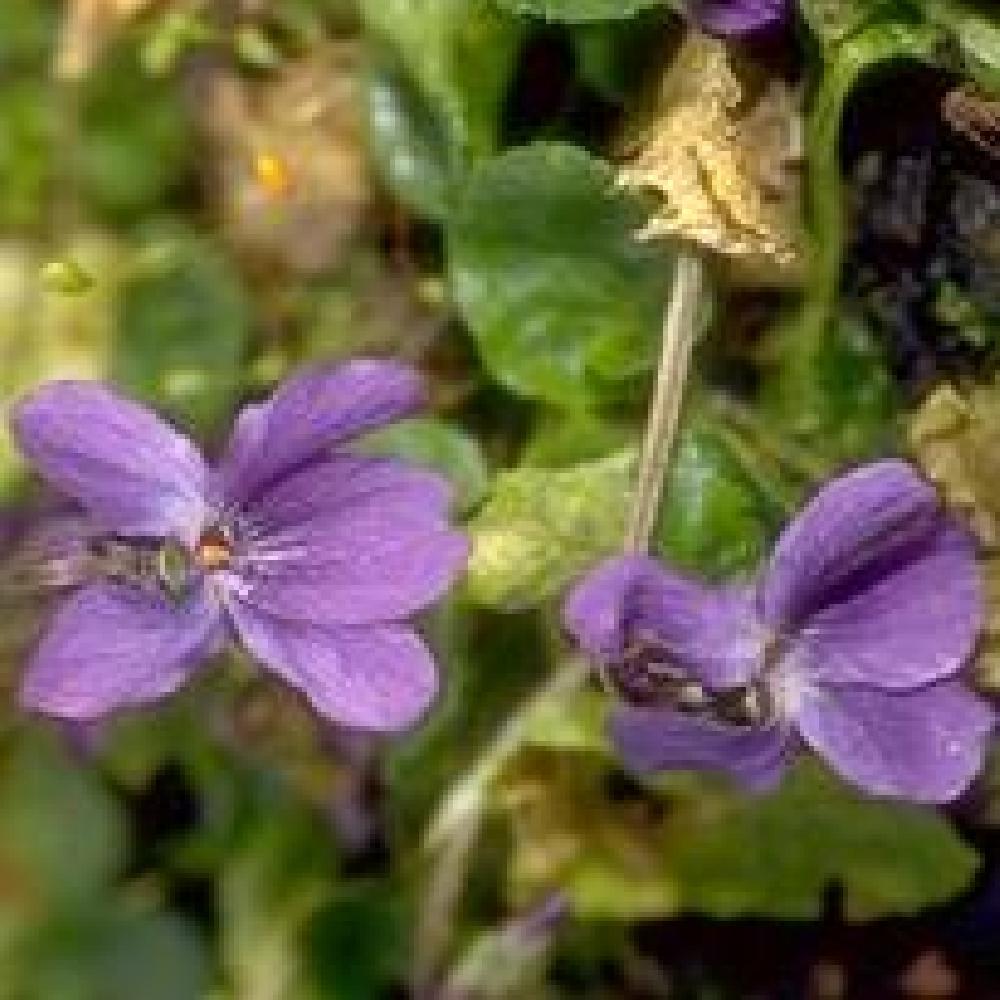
pixel 272 174
pixel 213 551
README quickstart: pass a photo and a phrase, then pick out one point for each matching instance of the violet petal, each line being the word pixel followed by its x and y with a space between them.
pixel 925 745
pixel 323 490
pixel 737 17
pixel 853 531
pixel 652 739
pixel 359 569
pixel 308 414
pixel 915 625
pixel 711 633
pixel 384 554
pixel 379 677
pixel 131 472
pixel 109 647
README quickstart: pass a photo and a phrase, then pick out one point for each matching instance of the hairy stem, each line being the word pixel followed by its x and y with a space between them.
pixel 454 830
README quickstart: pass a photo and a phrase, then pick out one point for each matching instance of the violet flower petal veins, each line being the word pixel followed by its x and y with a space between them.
pixel 310 413
pixel 325 489
pixel 378 677
pixel 853 531
pixel 131 472
pixel 925 745
pixel 652 739
pixel 916 624
pixel 110 646
pixel 365 565
pixel 737 17
pixel 712 633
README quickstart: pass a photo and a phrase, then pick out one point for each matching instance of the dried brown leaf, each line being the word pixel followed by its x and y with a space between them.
pixel 723 156
pixel 955 439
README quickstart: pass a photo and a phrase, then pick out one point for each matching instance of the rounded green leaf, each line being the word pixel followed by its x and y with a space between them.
pixel 776 856
pixel 563 300
pixel 719 510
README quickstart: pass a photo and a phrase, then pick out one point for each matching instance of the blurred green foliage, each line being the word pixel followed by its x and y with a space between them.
pixel 180 286
pixel 135 138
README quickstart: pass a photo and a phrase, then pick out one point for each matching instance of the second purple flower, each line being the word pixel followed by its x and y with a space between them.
pixel 850 643
pixel 311 555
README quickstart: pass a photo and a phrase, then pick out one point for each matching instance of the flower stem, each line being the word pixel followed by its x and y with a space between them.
pixel 680 330
pixel 454 830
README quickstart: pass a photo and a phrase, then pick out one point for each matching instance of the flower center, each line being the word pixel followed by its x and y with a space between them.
pixel 644 675
pixel 214 550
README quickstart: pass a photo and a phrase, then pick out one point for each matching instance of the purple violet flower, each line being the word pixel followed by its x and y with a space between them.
pixel 737 17
pixel 310 554
pixel 850 643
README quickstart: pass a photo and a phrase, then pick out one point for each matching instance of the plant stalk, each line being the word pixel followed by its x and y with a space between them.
pixel 680 330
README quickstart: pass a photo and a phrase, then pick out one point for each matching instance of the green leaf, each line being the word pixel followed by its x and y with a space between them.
pixel 157 956
pixel 776 856
pixel 722 506
pixel 110 952
pixel 834 20
pixel 833 393
pixel 435 97
pixel 565 304
pixel 581 11
pixel 437 445
pixel 135 139
pixel 540 528
pixel 408 143
pixel 568 437
pixel 183 328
